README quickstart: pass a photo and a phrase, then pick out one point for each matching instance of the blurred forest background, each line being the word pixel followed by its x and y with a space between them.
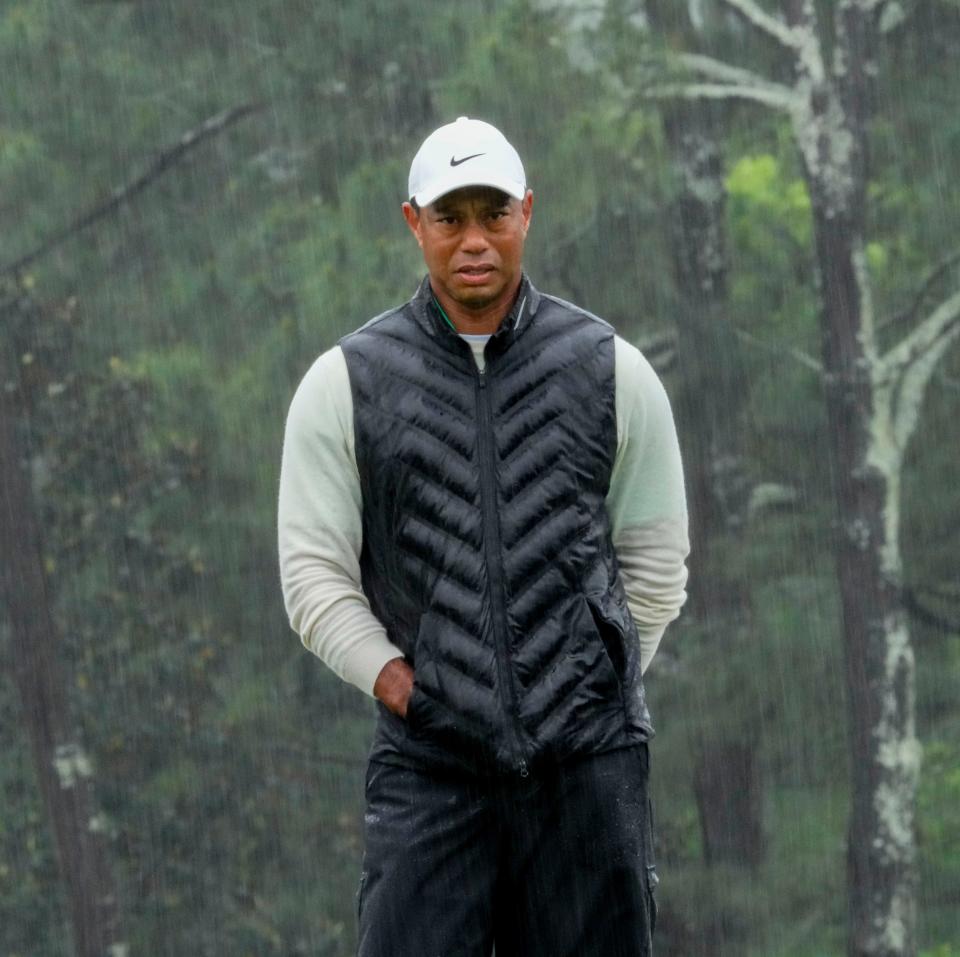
pixel 174 764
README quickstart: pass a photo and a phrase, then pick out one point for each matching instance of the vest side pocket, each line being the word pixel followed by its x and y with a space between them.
pixel 422 666
pixel 610 631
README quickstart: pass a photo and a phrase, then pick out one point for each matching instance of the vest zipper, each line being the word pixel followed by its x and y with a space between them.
pixel 492 552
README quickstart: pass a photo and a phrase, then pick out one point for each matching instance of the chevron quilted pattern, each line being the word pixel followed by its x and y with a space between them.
pixel 487 549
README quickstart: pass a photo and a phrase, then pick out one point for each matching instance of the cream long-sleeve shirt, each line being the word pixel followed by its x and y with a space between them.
pixel 320 515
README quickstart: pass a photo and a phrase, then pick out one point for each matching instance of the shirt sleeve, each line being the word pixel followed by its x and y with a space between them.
pixel 320 529
pixel 646 500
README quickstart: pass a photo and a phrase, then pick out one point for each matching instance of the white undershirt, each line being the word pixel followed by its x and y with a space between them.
pixel 478 342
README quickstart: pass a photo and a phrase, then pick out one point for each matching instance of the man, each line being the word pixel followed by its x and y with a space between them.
pixel 482 524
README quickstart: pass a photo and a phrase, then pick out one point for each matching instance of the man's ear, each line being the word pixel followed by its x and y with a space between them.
pixel 413 221
pixel 526 208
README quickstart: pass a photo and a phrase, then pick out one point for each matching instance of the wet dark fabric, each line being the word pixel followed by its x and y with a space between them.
pixel 487 551
pixel 558 864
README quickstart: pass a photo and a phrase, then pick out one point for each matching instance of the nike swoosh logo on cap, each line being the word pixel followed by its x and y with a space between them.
pixel 456 162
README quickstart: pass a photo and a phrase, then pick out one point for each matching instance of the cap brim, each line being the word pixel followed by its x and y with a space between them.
pixel 462 179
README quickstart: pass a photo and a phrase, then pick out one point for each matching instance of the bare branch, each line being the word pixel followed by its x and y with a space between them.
pixel 164 160
pixel 870 6
pixel 770 94
pixel 929 281
pixel 928 616
pixel 944 591
pixel 766 23
pixel 660 350
pixel 893 16
pixel 933 333
pixel 778 348
pixel 722 72
pixel 947 381
pixel 912 362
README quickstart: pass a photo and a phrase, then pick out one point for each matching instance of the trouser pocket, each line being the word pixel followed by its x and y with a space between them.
pixel 417 898
pixel 358 897
pixel 653 878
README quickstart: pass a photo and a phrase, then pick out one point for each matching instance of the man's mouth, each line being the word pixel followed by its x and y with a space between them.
pixel 475 273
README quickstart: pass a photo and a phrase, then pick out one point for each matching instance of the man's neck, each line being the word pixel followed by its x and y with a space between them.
pixel 484 320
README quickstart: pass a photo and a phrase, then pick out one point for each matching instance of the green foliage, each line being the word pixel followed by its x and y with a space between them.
pixel 792 906
pixel 772 205
pixel 160 350
pixel 939 814
pixel 30 891
pixel 771 232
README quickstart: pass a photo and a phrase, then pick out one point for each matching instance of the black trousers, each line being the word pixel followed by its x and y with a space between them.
pixel 558 864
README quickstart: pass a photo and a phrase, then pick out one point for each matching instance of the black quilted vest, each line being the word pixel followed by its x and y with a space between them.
pixel 486 542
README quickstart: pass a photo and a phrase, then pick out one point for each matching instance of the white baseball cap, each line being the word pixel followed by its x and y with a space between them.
pixel 465 153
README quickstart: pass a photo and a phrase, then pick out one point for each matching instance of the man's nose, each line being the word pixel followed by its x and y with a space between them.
pixel 474 238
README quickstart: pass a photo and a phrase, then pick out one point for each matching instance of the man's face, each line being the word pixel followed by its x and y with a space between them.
pixel 472 241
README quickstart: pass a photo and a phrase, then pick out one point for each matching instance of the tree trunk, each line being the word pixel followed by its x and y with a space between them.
pixel 873 403
pixel 728 783
pixel 879 661
pixel 865 464
pixel 729 793
pixel 63 768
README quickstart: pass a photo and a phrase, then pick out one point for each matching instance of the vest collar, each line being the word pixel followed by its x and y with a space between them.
pixel 522 311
